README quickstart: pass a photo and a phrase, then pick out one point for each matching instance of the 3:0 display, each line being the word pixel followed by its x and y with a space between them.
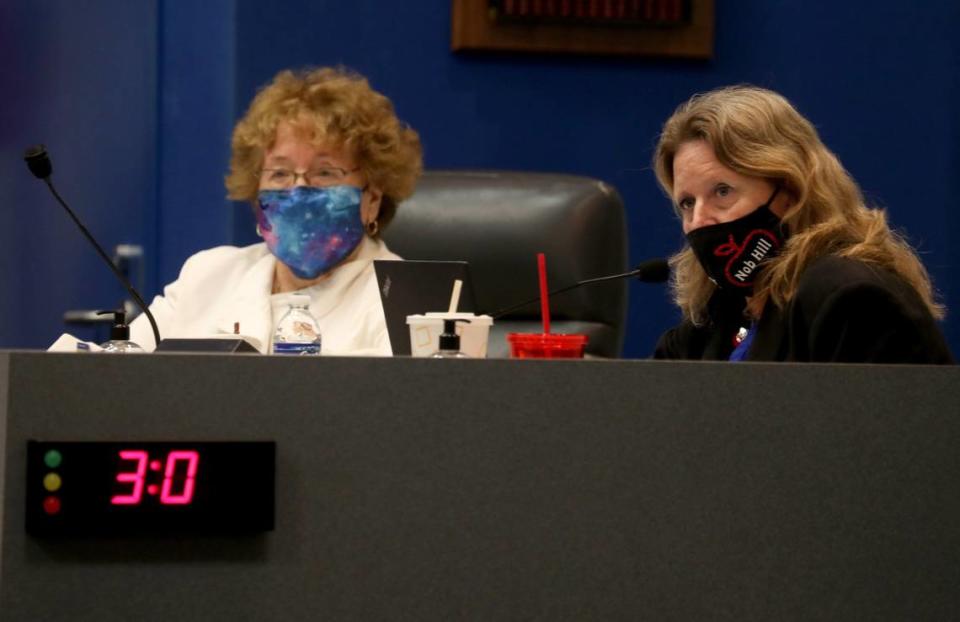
pixel 137 477
pixel 105 488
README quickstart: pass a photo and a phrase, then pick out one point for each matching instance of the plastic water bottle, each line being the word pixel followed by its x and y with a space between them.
pixel 297 331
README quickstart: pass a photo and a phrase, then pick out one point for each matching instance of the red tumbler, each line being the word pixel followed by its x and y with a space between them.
pixel 546 346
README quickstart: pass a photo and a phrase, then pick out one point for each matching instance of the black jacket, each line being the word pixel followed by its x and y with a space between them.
pixel 844 311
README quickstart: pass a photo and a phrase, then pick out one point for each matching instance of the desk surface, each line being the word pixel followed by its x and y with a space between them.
pixel 497 490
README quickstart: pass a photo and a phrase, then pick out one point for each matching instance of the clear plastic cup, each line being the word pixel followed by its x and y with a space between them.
pixel 546 346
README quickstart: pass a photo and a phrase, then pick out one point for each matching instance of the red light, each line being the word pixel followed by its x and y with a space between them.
pixel 154 465
pixel 51 505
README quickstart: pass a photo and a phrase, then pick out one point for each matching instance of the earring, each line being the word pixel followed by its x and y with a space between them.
pixel 372 227
pixel 257 228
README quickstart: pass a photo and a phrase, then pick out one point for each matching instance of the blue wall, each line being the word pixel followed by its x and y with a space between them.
pixel 82 80
pixel 881 80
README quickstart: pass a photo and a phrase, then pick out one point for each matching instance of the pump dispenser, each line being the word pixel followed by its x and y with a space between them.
pixel 119 335
pixel 450 341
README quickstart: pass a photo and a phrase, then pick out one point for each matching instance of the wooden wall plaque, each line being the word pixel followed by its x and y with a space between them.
pixel 664 28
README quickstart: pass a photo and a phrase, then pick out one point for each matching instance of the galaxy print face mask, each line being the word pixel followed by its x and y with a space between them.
pixel 311 229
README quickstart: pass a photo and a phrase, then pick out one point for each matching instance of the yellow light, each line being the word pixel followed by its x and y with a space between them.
pixel 52 482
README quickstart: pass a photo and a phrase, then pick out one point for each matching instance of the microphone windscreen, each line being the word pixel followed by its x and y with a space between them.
pixel 38 161
pixel 653 270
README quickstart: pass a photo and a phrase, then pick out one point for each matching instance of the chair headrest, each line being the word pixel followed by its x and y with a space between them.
pixel 498 221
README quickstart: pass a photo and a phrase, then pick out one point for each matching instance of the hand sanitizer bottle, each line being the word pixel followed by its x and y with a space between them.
pixel 297 331
pixel 449 342
pixel 119 335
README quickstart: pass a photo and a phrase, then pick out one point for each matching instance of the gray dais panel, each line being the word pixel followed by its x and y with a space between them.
pixel 416 489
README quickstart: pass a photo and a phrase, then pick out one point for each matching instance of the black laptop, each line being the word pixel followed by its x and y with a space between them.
pixel 416 287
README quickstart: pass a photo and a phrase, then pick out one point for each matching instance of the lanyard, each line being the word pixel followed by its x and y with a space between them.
pixel 743 347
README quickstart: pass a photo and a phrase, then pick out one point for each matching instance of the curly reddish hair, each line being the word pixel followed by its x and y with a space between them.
pixel 334 107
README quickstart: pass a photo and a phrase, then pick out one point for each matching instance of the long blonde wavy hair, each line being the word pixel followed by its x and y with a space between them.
pixel 335 107
pixel 757 132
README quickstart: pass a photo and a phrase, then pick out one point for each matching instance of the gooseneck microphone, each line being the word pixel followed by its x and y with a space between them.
pixel 39 164
pixel 655 270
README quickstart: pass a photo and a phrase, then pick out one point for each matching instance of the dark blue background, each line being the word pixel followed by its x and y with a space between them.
pixel 136 101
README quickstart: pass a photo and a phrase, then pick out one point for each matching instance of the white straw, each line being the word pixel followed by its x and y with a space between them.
pixel 455 296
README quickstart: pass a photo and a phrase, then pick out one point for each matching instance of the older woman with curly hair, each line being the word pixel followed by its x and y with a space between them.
pixel 324 162
pixel 783 261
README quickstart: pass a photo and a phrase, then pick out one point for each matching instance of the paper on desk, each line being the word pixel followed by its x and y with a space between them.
pixel 68 343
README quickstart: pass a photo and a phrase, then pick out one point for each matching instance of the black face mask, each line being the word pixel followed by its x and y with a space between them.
pixel 731 252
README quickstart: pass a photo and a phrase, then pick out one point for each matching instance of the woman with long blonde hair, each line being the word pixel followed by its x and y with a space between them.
pixel 784 261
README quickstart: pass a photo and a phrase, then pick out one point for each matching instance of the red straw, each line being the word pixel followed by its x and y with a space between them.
pixel 544 298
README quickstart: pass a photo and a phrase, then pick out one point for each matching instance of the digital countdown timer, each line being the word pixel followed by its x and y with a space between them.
pixel 104 488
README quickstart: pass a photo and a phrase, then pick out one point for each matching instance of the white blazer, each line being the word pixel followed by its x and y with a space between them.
pixel 225 285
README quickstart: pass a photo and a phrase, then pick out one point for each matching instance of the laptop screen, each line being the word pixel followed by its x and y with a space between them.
pixel 415 287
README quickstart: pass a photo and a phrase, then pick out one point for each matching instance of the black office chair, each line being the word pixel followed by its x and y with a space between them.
pixel 498 221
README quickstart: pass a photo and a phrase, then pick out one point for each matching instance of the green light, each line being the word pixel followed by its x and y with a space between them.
pixel 52 458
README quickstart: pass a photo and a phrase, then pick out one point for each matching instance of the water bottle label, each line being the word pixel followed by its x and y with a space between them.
pixel 296 349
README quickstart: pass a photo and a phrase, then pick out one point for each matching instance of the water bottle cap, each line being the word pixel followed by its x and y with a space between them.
pixel 300 300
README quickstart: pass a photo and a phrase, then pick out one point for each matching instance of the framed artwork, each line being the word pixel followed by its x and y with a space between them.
pixel 664 28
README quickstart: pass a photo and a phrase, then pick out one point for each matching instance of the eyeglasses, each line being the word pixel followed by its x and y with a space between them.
pixel 317 178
